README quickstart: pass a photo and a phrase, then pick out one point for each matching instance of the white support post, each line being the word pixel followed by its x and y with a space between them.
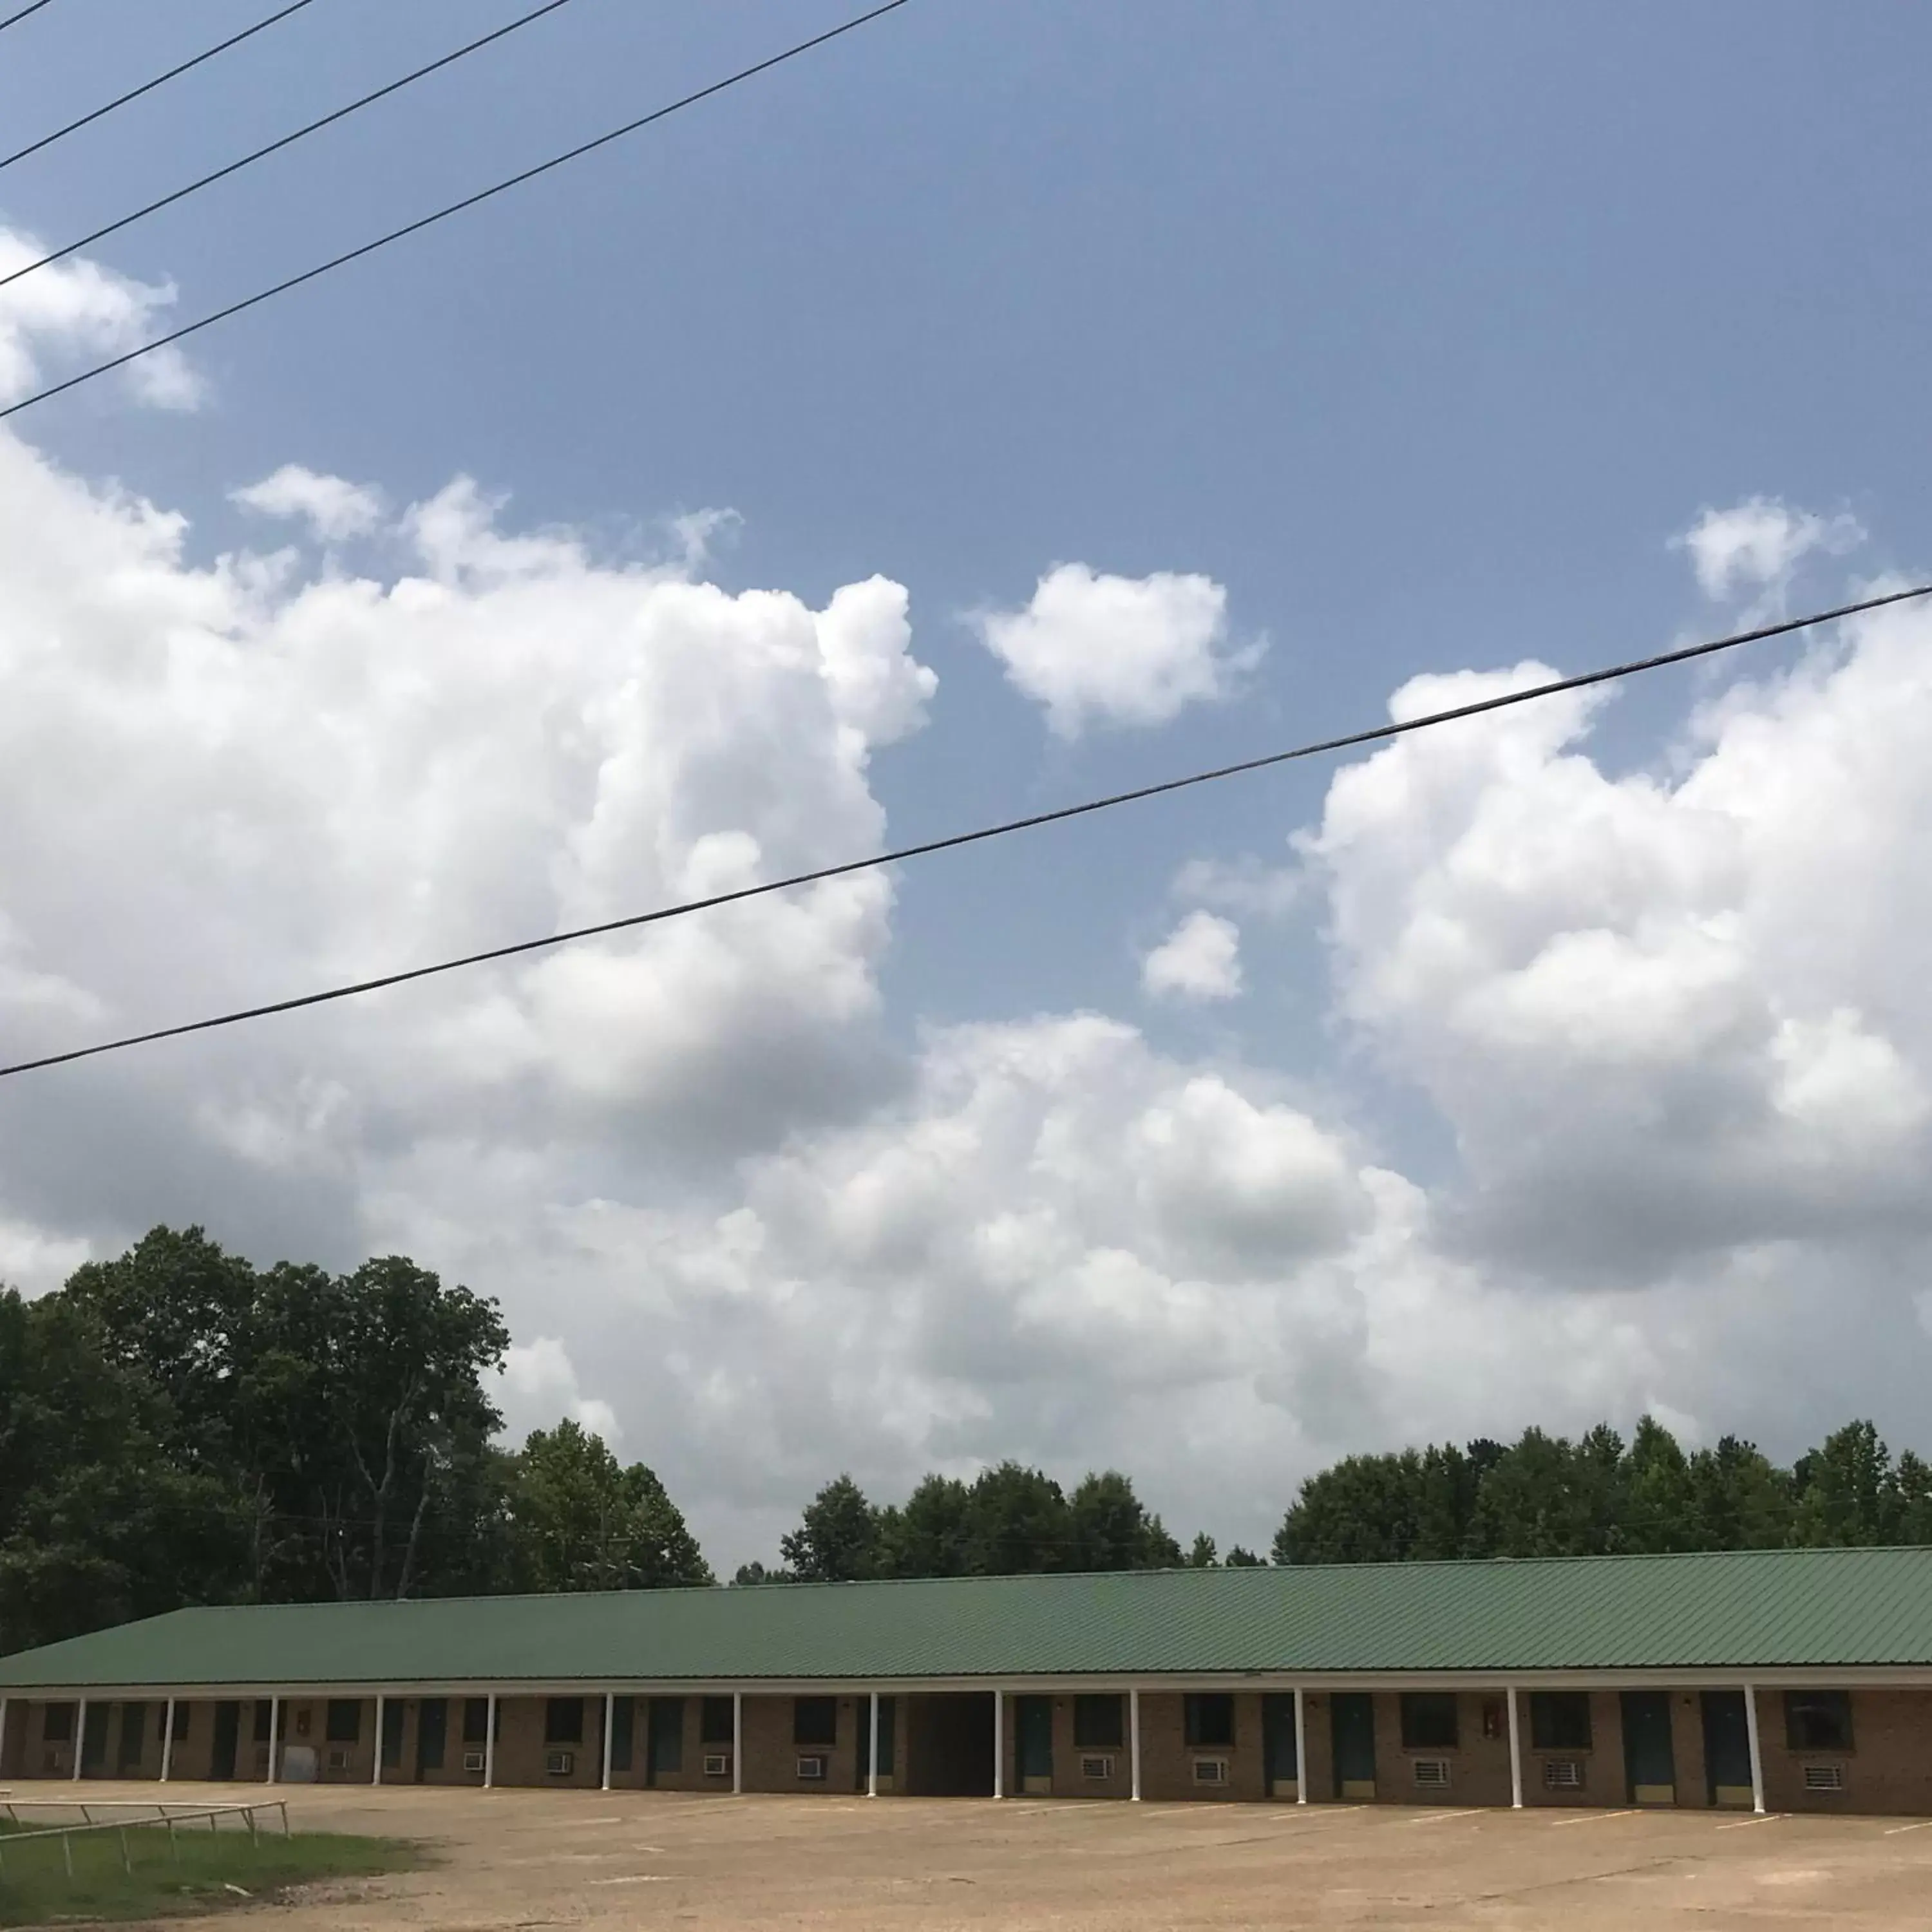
pixel 999 1744
pixel 1300 1747
pixel 490 1745
pixel 80 1738
pixel 1516 1753
pixel 3 1731
pixel 737 1742
pixel 168 1741
pixel 274 1734
pixel 610 1719
pixel 872 1752
pixel 376 1770
pixel 1134 1743
pixel 1756 1755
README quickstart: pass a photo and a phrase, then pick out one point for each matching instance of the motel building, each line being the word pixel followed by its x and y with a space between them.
pixel 1779 1680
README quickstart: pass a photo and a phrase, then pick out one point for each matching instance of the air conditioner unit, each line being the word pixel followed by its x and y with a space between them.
pixel 717 1764
pixel 560 1764
pixel 1097 1767
pixel 338 1758
pixel 1210 1771
pixel 811 1768
pixel 1433 1773
pixel 1824 1777
pixel 472 1760
pixel 1562 1774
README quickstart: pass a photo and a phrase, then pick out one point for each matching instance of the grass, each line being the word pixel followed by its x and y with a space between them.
pixel 207 1872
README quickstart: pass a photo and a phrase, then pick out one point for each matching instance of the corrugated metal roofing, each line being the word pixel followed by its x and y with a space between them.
pixel 1763 1608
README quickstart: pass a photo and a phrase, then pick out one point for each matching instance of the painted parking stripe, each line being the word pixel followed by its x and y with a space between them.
pixel 1762 1818
pixel 1893 1830
pixel 1591 1818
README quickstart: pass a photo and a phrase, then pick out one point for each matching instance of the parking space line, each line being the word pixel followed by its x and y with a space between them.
pixel 1762 1818
pixel 1591 1818
pixel 1893 1830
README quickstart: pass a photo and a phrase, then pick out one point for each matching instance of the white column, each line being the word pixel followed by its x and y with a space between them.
pixel 274 1734
pixel 1300 1747
pixel 168 1741
pixel 872 1753
pixel 3 1732
pixel 1516 1753
pixel 490 1745
pixel 376 1770
pixel 1756 1755
pixel 999 1744
pixel 610 1718
pixel 1134 1742
pixel 737 1742
pixel 80 1738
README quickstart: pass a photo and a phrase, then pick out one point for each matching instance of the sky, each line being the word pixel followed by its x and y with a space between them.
pixel 1002 405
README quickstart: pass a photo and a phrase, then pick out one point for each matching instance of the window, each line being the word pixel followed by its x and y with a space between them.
pixel 714 1721
pixel 475 1720
pixel 814 1720
pixel 1428 1720
pixel 623 1731
pixel 563 1720
pixel 1559 1721
pixel 1818 1720
pixel 133 1734
pixel 57 1723
pixel 1210 1717
pixel 1096 1724
pixel 343 1725
pixel 178 1723
pixel 264 1717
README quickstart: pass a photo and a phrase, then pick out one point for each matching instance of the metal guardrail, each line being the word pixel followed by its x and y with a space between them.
pixel 160 1816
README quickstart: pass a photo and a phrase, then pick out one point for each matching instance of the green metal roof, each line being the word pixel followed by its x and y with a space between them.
pixel 1765 1609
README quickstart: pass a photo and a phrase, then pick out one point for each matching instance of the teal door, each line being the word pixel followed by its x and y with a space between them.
pixel 665 1738
pixel 1354 1723
pixel 133 1736
pixel 227 1736
pixel 1032 1733
pixel 1278 1736
pixel 94 1740
pixel 390 1743
pixel 1726 1748
pixel 1650 1766
pixel 432 1734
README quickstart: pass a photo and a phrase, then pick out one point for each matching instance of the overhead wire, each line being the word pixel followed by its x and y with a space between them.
pixel 147 86
pixel 470 201
pixel 1347 741
pixel 13 19
pixel 283 141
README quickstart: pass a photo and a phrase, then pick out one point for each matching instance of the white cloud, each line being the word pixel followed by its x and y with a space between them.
pixel 333 508
pixel 76 309
pixel 1200 959
pixel 538 1383
pixel 1757 545
pixel 1098 649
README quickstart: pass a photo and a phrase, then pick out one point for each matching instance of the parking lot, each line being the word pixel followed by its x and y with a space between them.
pixel 516 1858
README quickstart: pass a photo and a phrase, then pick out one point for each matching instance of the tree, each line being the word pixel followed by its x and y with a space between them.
pixel 838 1541
pixel 1739 1499
pixel 579 1520
pixel 1363 1509
pixel 926 1536
pixel 1016 1523
pixel 1109 1528
pixel 1204 1555
pixel 1847 1493
pixel 1238 1558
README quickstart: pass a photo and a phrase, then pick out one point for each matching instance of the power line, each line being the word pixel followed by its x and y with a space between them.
pixel 146 86
pixel 1375 734
pixel 286 141
pixel 12 18
pixel 454 208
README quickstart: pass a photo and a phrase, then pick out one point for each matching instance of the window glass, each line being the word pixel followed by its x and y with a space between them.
pixel 1210 1717
pixel 344 1723
pixel 57 1723
pixel 1559 1720
pixel 563 1721
pixel 714 1721
pixel 475 1720
pixel 1097 1723
pixel 264 1715
pixel 1428 1720
pixel 814 1720
pixel 1818 1720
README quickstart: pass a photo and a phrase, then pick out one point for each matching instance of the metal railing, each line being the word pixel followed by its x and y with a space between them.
pixel 157 1817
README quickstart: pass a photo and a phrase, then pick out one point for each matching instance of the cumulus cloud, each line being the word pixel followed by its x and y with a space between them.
pixel 1757 545
pixel 333 508
pixel 1099 648
pixel 538 1383
pixel 1200 959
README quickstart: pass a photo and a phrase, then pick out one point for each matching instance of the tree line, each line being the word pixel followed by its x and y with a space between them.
pixel 177 1426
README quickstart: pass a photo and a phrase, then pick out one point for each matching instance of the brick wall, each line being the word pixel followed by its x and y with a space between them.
pixel 771 1756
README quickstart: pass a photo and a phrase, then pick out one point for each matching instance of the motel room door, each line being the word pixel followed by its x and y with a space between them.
pixel 1650 1767
pixel 1352 1714
pixel 1278 1741
pixel 432 1732
pixel 227 1737
pixel 1727 1748
pixel 1033 1728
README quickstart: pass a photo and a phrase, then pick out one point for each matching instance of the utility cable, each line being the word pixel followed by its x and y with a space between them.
pixel 285 141
pixel 11 19
pixel 454 208
pixel 146 86
pixel 1375 734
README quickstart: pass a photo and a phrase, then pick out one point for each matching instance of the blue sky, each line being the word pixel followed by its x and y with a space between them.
pixel 1423 332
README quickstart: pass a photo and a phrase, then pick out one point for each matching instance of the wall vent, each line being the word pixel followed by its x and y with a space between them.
pixel 1562 1774
pixel 472 1760
pixel 813 1768
pixel 1824 1777
pixel 1433 1773
pixel 1210 1771
pixel 717 1764
pixel 559 1764
pixel 1097 1767
pixel 338 1760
